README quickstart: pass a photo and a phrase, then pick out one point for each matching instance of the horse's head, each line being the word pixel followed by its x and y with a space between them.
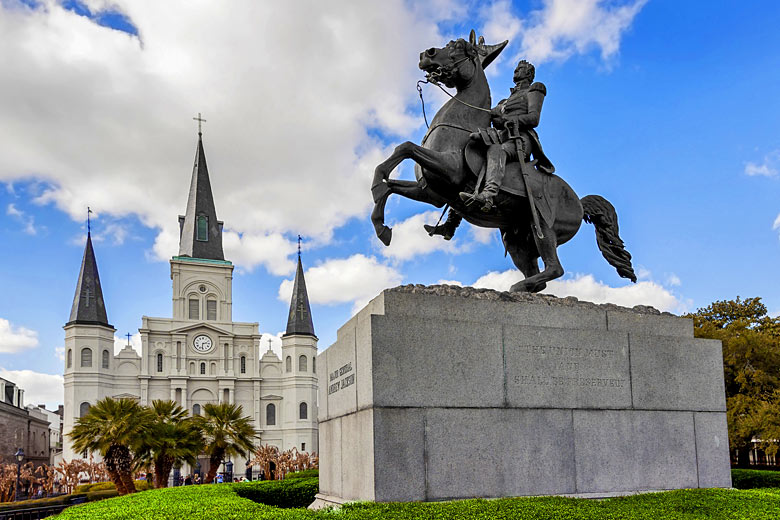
pixel 444 65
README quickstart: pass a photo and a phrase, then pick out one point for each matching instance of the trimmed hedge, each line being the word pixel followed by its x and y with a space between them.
pixel 754 478
pixel 307 473
pixel 140 485
pixel 90 496
pixel 296 492
pixel 222 501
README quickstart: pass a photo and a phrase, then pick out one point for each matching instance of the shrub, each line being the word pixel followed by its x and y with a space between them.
pixel 298 492
pixel 306 473
pixel 208 502
pixel 754 478
pixel 140 485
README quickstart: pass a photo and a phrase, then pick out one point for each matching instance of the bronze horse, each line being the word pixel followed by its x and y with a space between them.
pixel 443 169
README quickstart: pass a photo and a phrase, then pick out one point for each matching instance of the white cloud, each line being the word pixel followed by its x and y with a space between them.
pixel 776 224
pixel 121 342
pixel 563 28
pixel 355 279
pixel 586 288
pixel 276 343
pixel 284 108
pixel 410 239
pixel 27 221
pixel 249 250
pixel 450 282
pixel 16 338
pixel 60 353
pixel 673 280
pixel 767 168
pixel 38 388
pixel 483 235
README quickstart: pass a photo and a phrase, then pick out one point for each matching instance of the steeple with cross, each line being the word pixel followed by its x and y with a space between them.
pixel 88 306
pixel 299 320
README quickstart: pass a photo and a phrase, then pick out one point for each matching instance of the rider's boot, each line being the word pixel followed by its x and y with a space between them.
pixel 496 166
pixel 446 230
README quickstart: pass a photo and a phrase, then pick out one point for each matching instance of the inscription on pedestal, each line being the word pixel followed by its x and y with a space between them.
pixel 335 384
pixel 566 370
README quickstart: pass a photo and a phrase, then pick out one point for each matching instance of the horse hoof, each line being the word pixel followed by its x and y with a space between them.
pixel 385 235
pixel 520 287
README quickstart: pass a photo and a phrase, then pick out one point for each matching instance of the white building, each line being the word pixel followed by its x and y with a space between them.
pixel 200 355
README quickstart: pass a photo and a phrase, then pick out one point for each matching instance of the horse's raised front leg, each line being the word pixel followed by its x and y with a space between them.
pixel 548 250
pixel 441 163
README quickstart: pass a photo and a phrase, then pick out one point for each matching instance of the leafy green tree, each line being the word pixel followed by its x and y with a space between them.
pixel 171 437
pixel 226 432
pixel 751 364
pixel 113 428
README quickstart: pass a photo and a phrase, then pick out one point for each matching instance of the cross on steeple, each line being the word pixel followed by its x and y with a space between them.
pixel 87 295
pixel 299 246
pixel 89 224
pixel 128 339
pixel 269 343
pixel 200 120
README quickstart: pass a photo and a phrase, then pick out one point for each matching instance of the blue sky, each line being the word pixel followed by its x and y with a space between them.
pixel 668 109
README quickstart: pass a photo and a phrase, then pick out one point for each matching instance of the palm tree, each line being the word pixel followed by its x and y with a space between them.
pixel 113 428
pixel 171 437
pixel 226 432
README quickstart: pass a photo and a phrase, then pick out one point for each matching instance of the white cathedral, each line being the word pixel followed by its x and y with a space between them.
pixel 200 355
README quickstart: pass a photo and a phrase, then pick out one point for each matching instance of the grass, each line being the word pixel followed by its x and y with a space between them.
pixel 224 501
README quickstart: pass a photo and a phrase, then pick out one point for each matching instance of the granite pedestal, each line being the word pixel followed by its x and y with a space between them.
pixel 438 393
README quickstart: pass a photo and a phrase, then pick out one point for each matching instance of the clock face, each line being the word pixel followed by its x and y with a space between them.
pixel 202 343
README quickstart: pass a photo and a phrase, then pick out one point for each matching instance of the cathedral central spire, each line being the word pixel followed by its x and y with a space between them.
pixel 200 233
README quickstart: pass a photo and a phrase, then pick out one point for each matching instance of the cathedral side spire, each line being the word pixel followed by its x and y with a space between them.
pixel 88 305
pixel 200 231
pixel 299 320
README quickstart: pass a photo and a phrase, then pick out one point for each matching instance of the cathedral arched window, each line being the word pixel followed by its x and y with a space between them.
pixel 302 364
pixel 303 411
pixel 288 364
pixel 211 309
pixel 86 357
pixel 314 364
pixel 194 308
pixel 203 369
pixel 270 414
pixel 104 363
pixel 202 226
pixel 243 364
pixel 159 362
pixel 83 409
pixel 70 358
pixel 195 409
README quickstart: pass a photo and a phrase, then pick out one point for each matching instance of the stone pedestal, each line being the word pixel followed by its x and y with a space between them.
pixel 438 393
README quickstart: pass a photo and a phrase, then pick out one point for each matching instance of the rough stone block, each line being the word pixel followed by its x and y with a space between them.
pixel 322 389
pixel 671 373
pixel 622 450
pixel 422 362
pixel 562 368
pixel 712 452
pixel 498 453
pixel 399 457
pixel 541 313
pixel 649 324
pixel 339 381
pixel 330 457
pixel 357 455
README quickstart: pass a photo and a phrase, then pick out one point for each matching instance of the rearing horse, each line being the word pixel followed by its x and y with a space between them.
pixel 443 170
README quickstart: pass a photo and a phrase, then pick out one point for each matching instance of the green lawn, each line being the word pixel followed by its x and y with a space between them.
pixel 224 501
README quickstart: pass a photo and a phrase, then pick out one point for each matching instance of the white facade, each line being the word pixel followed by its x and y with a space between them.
pixel 198 356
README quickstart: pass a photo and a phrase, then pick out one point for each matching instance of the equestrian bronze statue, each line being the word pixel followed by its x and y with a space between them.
pixel 488 165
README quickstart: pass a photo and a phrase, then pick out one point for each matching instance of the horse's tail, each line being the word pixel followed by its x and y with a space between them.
pixel 600 213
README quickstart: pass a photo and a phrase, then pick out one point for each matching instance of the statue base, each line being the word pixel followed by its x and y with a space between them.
pixel 442 392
